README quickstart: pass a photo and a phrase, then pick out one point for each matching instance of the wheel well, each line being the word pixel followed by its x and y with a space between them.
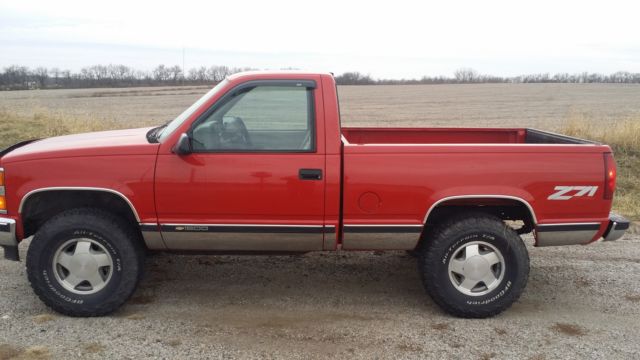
pixel 42 206
pixel 517 214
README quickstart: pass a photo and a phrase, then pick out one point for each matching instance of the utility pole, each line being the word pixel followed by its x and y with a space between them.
pixel 183 69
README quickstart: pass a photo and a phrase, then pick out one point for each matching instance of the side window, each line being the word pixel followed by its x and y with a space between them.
pixel 260 118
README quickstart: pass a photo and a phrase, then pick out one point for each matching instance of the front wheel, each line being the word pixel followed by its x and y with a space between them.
pixel 474 266
pixel 84 262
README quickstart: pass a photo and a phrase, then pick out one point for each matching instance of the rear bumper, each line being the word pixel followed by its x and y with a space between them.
pixel 8 239
pixel 580 233
pixel 618 225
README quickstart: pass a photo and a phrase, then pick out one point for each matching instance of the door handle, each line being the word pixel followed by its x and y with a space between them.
pixel 310 174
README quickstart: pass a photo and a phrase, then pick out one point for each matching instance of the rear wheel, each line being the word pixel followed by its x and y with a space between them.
pixel 474 266
pixel 85 262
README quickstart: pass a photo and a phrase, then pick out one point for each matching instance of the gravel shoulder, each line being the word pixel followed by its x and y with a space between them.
pixel 581 302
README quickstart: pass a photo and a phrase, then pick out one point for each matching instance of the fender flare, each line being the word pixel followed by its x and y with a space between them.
pixel 504 197
pixel 74 188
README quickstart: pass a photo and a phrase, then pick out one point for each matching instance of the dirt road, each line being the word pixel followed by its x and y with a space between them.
pixel 581 302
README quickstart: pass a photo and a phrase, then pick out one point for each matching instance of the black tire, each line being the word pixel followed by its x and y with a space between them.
pixel 445 240
pixel 413 253
pixel 118 239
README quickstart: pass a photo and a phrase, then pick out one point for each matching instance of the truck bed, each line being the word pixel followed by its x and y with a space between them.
pixel 362 136
pixel 397 176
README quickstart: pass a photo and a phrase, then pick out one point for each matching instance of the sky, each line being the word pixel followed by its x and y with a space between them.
pixel 390 39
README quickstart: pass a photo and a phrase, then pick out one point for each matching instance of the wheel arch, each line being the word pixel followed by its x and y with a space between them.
pixel 480 201
pixel 506 207
pixel 41 204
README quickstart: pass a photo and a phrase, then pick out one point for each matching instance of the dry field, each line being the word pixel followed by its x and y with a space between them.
pixel 580 302
pixel 546 106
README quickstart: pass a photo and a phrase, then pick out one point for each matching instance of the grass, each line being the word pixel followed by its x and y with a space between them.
pixel 569 329
pixel 143 92
pixel 8 351
pixel 633 298
pixel 43 318
pixel 15 128
pixel 94 348
pixel 623 135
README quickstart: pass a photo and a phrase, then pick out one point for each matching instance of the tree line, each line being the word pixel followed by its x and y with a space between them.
pixel 17 77
pixel 471 76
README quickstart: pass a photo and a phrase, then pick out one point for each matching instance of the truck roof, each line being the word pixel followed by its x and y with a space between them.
pixel 269 74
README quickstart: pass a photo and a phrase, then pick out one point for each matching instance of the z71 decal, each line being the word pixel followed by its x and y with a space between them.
pixel 568 192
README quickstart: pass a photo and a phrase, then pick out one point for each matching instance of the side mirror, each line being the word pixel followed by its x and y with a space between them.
pixel 183 146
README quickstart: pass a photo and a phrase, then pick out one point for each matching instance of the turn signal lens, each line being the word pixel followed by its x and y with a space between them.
pixel 3 201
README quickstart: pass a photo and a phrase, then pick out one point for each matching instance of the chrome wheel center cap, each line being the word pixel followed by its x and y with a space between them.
pixel 83 265
pixel 476 268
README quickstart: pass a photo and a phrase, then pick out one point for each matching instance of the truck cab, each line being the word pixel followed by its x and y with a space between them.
pixel 256 166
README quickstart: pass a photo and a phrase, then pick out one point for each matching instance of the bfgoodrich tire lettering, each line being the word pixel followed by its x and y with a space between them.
pixel 510 269
pixel 106 233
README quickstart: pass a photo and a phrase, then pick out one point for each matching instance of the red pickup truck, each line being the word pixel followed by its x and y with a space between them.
pixel 260 164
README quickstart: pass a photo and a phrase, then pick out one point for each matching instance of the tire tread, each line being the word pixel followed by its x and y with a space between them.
pixel 439 240
pixel 39 245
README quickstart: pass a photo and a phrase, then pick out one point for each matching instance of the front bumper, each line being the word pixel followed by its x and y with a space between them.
pixel 8 239
pixel 618 225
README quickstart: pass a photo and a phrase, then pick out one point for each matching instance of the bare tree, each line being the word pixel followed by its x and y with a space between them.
pixel 118 73
pixel 466 75
pixel 354 78
pixel 15 77
pixel 220 72
pixel 41 74
pixel 175 73
pixel 161 73
pixel 198 74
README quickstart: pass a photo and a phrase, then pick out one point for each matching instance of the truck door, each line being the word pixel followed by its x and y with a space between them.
pixel 255 178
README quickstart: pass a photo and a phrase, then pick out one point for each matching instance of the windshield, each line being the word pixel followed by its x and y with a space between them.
pixel 175 123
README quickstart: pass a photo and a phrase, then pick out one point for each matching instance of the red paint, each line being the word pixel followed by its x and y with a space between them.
pixel 408 170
